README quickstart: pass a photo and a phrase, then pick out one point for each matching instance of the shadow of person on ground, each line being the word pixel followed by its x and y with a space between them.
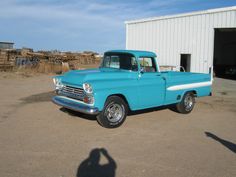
pixel 231 146
pixel 90 167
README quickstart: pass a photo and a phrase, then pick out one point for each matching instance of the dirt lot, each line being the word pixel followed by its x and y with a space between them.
pixel 37 138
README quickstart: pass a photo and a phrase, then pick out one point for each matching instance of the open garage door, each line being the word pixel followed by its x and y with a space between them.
pixel 225 53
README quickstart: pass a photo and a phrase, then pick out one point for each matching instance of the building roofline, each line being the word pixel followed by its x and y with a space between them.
pixel 209 11
pixel 2 42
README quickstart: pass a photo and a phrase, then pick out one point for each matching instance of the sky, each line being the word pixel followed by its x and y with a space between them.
pixel 84 25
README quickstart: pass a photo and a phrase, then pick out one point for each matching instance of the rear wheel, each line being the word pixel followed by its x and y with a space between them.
pixel 187 103
pixel 114 112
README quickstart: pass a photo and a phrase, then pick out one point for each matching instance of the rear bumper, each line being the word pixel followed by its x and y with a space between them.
pixel 74 105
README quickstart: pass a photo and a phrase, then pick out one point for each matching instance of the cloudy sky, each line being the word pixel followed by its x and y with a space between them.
pixel 78 25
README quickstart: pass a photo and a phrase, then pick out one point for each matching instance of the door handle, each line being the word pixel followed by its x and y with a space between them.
pixel 161 77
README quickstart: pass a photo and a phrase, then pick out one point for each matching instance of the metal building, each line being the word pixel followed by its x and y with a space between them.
pixel 196 40
pixel 6 45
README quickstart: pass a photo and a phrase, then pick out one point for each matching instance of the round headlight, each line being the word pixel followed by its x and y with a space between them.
pixel 87 88
pixel 54 81
pixel 57 83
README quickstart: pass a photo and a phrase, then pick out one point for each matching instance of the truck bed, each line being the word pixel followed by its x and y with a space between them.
pixel 178 83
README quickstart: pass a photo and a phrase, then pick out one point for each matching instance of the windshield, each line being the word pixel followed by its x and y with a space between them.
pixel 119 61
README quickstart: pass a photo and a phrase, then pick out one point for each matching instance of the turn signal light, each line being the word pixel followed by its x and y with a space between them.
pixel 88 100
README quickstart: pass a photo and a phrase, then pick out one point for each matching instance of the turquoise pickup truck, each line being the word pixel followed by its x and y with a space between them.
pixel 128 80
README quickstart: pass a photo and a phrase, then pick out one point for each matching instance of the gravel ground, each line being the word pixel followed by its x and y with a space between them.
pixel 38 138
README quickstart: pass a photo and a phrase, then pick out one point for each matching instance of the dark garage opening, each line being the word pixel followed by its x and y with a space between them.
pixel 185 61
pixel 225 53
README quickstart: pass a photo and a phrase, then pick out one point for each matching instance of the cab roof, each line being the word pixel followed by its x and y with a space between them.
pixel 136 53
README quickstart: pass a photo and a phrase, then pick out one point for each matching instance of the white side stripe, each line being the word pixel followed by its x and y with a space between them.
pixel 187 86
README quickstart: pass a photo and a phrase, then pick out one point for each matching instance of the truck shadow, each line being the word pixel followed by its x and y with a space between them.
pixel 231 146
pixel 36 98
pixel 170 107
pixel 130 113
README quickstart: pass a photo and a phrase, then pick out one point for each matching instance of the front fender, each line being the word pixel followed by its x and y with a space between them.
pixel 128 88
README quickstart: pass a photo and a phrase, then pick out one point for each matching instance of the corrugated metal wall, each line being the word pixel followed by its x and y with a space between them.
pixel 170 37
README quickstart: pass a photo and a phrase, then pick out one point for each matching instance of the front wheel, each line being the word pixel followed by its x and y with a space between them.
pixel 187 103
pixel 114 112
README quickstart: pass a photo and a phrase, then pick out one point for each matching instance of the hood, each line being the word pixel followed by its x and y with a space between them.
pixel 78 77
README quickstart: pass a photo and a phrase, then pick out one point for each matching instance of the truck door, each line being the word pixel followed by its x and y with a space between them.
pixel 151 84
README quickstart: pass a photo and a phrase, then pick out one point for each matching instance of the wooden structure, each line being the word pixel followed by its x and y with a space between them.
pixel 45 61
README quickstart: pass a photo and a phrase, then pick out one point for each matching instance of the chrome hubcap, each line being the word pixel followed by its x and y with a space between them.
pixel 188 103
pixel 114 112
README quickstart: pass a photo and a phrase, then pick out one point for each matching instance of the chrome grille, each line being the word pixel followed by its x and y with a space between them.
pixel 73 92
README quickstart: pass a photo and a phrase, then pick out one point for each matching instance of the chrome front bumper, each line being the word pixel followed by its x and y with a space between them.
pixel 74 105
